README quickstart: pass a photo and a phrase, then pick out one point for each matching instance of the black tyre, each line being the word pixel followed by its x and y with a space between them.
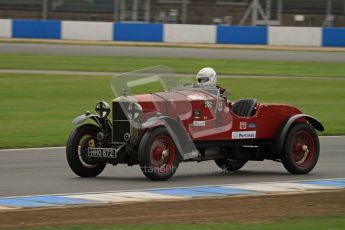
pixel 80 139
pixel 244 107
pixel 230 164
pixel 158 155
pixel 301 150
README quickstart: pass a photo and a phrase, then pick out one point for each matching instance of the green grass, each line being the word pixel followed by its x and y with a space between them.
pixel 179 65
pixel 323 223
pixel 36 110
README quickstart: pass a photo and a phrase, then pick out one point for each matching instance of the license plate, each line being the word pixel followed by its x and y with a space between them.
pixel 102 152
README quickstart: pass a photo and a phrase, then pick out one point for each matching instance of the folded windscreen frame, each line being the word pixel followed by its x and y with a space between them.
pixel 150 88
pixel 147 98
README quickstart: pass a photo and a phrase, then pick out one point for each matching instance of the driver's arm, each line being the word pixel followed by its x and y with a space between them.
pixel 222 92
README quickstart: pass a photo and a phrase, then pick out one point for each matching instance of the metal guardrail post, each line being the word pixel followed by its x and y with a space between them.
pixel 329 7
pixel 279 10
pixel 268 9
pixel 116 10
pixel 184 11
pixel 44 9
pixel 147 10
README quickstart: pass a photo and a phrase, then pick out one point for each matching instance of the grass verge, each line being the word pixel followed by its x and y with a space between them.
pixel 179 65
pixel 334 223
pixel 36 110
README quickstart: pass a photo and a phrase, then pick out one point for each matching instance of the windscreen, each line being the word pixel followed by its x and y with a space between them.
pixel 149 80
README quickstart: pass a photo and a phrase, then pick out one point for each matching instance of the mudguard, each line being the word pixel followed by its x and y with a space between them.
pixel 186 148
pixel 101 122
pixel 280 137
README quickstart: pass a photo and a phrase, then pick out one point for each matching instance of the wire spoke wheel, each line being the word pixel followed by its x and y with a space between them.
pixel 158 155
pixel 162 154
pixel 302 149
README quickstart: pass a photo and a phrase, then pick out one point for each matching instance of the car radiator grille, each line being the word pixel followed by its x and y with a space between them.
pixel 121 125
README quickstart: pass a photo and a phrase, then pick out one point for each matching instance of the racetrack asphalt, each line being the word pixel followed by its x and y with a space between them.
pixel 137 51
pixel 45 171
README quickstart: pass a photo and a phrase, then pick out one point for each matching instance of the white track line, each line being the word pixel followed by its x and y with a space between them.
pixel 280 187
pixel 4 208
pixel 24 149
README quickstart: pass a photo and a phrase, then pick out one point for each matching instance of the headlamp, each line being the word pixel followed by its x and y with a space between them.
pixel 102 109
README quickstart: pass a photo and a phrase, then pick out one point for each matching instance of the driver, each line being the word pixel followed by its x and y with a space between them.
pixel 207 78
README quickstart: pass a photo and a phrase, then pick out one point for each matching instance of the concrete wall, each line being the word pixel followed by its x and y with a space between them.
pixel 36 29
pixel 250 35
pixel 333 37
pixel 294 36
pixel 91 31
pixel 143 32
pixel 189 33
pixel 5 28
pixel 138 32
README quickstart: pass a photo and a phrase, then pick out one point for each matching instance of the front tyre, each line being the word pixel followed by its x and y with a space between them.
pixel 302 149
pixel 80 139
pixel 158 157
pixel 230 164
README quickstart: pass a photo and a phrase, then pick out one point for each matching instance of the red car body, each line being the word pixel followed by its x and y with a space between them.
pixel 160 130
pixel 266 120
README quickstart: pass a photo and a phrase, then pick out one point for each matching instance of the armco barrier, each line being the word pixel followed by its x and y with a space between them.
pixel 333 37
pixel 90 31
pixel 249 35
pixel 146 32
pixel 36 29
pixel 138 32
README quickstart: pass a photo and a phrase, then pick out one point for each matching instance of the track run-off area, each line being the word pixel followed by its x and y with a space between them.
pixel 174 52
pixel 40 171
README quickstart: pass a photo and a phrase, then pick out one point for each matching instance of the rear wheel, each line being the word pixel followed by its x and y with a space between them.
pixel 302 149
pixel 158 155
pixel 78 143
pixel 230 164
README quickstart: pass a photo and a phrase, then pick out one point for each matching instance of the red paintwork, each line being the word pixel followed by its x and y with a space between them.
pixel 179 105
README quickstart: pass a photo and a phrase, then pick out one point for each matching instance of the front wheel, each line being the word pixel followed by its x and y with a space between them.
pixel 158 158
pixel 78 142
pixel 302 149
pixel 230 164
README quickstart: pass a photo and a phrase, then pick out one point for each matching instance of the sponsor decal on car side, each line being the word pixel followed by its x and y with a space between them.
pixel 251 125
pixel 199 123
pixel 244 135
pixel 243 125
pixel 208 104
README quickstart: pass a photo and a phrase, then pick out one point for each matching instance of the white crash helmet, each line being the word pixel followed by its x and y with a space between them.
pixel 207 77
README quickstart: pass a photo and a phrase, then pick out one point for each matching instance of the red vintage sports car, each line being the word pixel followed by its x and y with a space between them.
pixel 180 121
